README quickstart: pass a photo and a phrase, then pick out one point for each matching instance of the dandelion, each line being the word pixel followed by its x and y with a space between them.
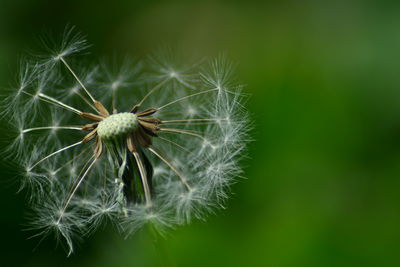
pixel 132 146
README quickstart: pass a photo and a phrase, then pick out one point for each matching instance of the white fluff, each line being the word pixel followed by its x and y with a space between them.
pixel 199 103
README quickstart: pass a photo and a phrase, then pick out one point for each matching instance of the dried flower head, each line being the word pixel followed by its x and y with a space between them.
pixel 131 146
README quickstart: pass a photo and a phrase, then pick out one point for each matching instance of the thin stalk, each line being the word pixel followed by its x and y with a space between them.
pixel 76 187
pixel 188 96
pixel 77 79
pixel 113 99
pixel 54 101
pixel 86 101
pixel 183 179
pixel 54 153
pixel 190 120
pixel 49 99
pixel 169 130
pixel 72 160
pixel 192 123
pixel 152 90
pixel 52 128
pixel 174 143
pixel 143 177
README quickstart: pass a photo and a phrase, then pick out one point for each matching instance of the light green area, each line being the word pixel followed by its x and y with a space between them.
pixel 117 125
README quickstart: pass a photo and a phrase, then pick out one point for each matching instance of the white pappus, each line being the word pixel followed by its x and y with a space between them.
pixel 150 142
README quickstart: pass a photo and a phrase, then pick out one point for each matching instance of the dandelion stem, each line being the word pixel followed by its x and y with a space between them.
pixel 54 153
pixel 76 187
pixel 183 179
pixel 52 128
pixel 77 79
pixel 188 96
pixel 143 177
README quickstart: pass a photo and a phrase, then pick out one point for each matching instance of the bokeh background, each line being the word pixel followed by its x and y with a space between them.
pixel 323 173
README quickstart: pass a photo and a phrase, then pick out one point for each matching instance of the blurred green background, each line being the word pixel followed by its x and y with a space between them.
pixel 324 170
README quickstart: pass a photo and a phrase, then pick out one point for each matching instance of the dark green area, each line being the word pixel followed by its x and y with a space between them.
pixel 323 177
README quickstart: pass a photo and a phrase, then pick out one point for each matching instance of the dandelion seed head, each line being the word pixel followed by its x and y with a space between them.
pixel 156 142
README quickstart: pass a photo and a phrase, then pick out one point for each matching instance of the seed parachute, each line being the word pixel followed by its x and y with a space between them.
pixel 151 142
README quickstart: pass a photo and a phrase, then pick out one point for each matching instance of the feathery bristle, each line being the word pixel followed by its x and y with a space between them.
pixel 85 162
